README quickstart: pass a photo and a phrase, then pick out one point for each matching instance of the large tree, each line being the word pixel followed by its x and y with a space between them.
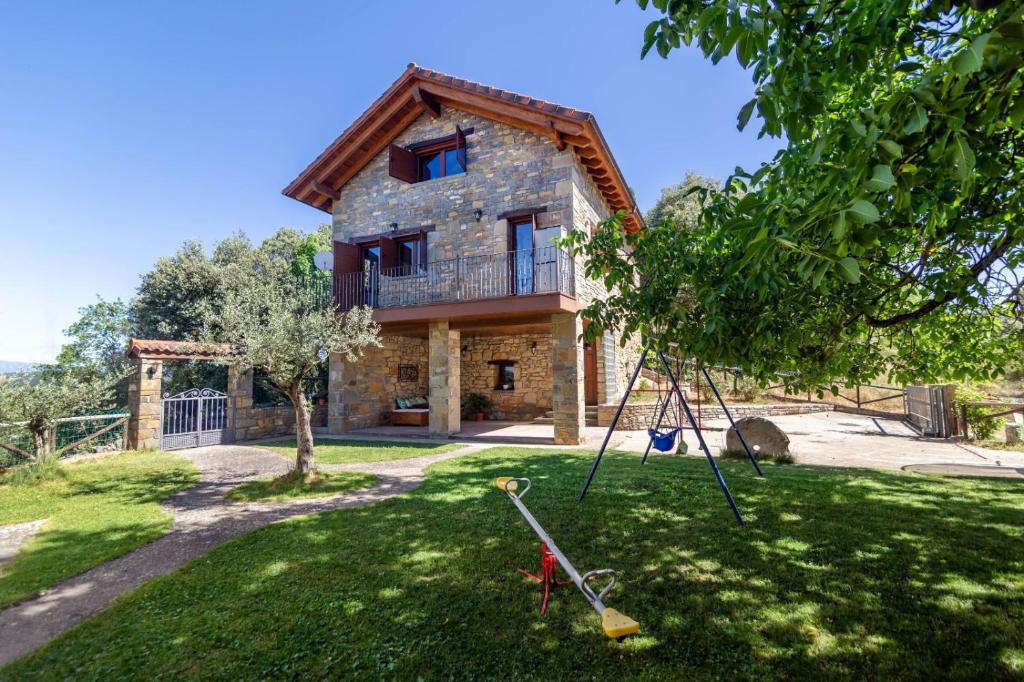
pixel 886 235
pixel 274 322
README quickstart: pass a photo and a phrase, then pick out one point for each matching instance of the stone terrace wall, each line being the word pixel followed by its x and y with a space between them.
pixel 638 416
pixel 532 395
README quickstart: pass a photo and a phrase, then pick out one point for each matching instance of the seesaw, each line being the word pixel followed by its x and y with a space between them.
pixel 614 623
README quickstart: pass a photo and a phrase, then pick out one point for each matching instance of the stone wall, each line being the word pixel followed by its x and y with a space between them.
pixel 362 394
pixel 639 416
pixel 506 169
pixel 264 422
pixel 531 396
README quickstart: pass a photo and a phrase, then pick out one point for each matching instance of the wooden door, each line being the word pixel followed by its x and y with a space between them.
pixel 590 374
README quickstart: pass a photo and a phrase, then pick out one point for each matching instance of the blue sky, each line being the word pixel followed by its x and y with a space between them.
pixel 126 128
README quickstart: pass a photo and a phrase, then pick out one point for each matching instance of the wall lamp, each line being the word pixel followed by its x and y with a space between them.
pixel 479 213
pixel 533 348
pixel 393 226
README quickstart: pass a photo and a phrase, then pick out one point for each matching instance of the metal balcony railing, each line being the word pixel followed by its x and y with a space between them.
pixel 516 273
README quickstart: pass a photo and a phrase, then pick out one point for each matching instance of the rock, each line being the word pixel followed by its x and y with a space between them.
pixel 763 436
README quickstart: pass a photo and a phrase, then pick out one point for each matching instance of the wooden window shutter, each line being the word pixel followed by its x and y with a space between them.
pixel 347 258
pixel 388 254
pixel 402 164
pixel 423 250
pixel 460 146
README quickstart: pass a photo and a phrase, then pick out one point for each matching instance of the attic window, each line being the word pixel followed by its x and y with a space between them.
pixel 430 159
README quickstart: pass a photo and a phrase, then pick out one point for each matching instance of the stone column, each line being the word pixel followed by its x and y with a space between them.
pixel 445 380
pixel 144 404
pixel 337 415
pixel 240 404
pixel 567 402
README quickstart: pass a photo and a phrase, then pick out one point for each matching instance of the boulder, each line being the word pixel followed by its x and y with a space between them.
pixel 763 436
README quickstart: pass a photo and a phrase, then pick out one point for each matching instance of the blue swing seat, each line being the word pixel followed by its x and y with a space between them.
pixel 663 441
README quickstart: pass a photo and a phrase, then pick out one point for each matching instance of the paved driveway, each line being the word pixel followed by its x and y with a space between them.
pixel 850 440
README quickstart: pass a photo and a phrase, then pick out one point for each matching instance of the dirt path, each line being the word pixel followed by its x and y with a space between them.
pixel 203 519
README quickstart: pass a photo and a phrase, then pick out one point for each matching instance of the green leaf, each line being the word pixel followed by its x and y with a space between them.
pixel 745 112
pixel 839 226
pixel 918 120
pixel 881 179
pixel 971 58
pixel 858 127
pixel 849 268
pixel 863 211
pixel 962 156
pixel 1017 113
pixel 892 147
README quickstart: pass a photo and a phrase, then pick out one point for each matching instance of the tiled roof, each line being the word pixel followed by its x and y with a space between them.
pixel 394 110
pixel 176 350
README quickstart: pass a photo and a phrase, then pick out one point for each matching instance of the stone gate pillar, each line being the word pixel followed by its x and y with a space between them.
pixel 567 401
pixel 144 386
pixel 445 380
pixel 337 416
pixel 240 404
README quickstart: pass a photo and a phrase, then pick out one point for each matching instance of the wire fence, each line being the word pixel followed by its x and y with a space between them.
pixel 69 430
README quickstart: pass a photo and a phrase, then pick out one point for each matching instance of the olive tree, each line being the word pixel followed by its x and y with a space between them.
pixel 38 399
pixel 276 324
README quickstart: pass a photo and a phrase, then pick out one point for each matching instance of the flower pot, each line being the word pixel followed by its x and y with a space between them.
pixel 479 416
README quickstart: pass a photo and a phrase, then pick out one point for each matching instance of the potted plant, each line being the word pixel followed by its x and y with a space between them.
pixel 477 405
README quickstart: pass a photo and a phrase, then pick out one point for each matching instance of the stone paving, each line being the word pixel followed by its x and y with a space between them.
pixel 203 519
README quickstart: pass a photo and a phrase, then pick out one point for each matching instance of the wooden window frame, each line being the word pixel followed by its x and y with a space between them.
pixel 500 366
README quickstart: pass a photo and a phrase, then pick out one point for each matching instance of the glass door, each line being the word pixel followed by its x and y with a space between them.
pixel 371 275
pixel 521 248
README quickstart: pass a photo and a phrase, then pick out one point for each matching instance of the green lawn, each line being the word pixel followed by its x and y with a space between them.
pixel 840 574
pixel 330 451
pixel 288 487
pixel 100 510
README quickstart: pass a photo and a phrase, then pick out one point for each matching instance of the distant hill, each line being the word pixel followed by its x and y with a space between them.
pixel 11 367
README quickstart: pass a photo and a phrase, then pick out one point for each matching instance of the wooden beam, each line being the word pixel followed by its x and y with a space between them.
pixel 323 190
pixel 518 115
pixel 555 136
pixel 427 103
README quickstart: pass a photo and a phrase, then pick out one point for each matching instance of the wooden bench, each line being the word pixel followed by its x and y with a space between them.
pixel 410 416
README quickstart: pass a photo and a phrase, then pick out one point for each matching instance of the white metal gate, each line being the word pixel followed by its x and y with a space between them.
pixel 930 410
pixel 198 416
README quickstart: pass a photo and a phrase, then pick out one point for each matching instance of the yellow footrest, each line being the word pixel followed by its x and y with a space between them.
pixel 617 625
pixel 506 483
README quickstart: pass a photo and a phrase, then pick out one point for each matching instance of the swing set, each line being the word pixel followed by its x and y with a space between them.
pixel 664 440
pixel 615 624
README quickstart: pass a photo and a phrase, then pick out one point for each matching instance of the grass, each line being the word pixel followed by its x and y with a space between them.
pixel 289 486
pixel 330 451
pixel 96 510
pixel 839 574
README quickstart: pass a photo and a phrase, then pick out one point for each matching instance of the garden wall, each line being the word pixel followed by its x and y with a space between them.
pixel 639 416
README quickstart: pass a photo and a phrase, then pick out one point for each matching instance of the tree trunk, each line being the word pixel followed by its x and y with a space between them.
pixel 304 462
pixel 42 439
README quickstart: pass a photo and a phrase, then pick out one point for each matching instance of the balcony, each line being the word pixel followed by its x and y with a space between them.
pixel 549 270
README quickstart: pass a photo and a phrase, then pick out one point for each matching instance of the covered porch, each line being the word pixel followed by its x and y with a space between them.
pixel 530 366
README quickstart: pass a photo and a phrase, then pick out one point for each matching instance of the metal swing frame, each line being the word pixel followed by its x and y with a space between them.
pixel 674 388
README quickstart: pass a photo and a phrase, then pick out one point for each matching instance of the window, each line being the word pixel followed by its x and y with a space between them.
pixel 438 163
pixel 506 376
pixel 410 255
pixel 429 159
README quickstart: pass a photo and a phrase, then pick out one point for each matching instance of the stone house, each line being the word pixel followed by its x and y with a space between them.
pixel 446 197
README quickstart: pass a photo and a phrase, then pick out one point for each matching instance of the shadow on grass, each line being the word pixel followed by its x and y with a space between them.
pixel 840 573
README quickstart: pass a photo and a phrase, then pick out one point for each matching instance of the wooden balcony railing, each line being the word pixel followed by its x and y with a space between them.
pixel 518 273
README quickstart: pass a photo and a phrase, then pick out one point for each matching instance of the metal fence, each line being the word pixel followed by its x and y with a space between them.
pixel 516 273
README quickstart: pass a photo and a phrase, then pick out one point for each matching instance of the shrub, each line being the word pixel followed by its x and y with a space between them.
pixel 477 402
pixel 979 425
pixel 746 389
